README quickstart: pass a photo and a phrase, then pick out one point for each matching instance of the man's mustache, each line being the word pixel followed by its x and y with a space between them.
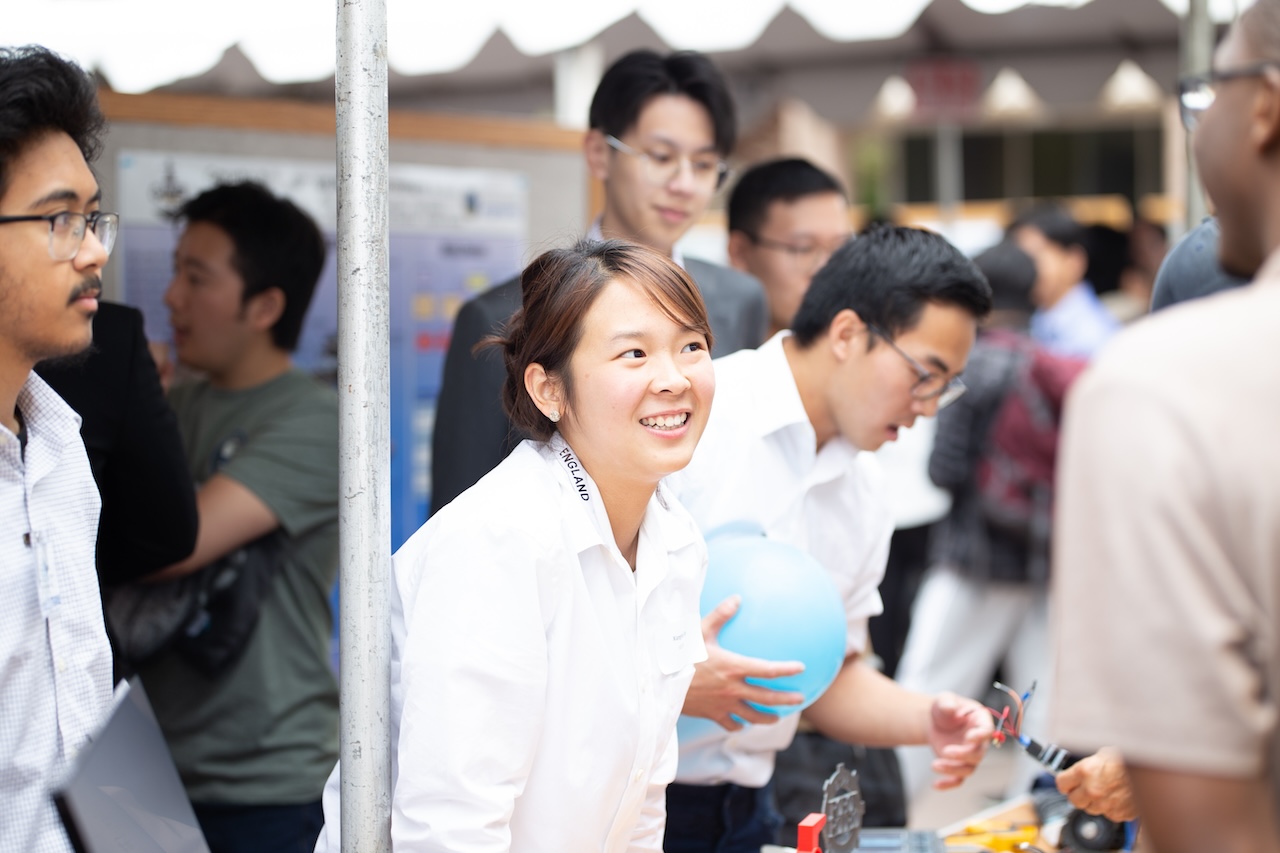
pixel 91 286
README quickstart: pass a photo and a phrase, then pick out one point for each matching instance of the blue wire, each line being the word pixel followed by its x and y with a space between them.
pixel 1130 834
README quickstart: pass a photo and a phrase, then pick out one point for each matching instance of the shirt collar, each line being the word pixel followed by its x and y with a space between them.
pixel 47 413
pixel 52 426
pixel 586 520
pixel 595 233
pixel 783 409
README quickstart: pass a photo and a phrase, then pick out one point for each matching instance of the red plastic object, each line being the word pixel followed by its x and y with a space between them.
pixel 809 833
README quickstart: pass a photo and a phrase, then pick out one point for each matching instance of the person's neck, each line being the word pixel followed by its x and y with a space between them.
pixel 1057 298
pixel 1269 234
pixel 612 229
pixel 809 370
pixel 13 375
pixel 254 369
pixel 626 506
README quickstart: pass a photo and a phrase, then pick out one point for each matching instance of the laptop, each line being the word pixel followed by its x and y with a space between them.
pixel 123 795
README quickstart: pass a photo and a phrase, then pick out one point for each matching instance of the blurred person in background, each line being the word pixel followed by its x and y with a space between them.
pixel 1069 318
pixel 1169 507
pixel 244 692
pixel 786 218
pixel 1192 269
pixel 1099 783
pixel 984 600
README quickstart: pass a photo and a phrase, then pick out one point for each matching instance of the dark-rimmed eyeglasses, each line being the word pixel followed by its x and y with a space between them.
pixel 930 385
pixel 661 167
pixel 67 230
pixel 1197 92
pixel 809 257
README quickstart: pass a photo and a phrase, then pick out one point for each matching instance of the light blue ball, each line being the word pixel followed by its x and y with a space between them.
pixel 790 610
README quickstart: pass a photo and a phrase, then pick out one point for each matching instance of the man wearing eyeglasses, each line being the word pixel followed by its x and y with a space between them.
pixel 661 128
pixel 879 339
pixel 1168 537
pixel 54 242
pixel 786 218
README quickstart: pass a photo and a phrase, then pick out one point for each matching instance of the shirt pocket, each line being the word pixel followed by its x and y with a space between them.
pixel 678 640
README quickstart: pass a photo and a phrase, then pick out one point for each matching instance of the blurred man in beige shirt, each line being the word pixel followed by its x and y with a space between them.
pixel 1168 541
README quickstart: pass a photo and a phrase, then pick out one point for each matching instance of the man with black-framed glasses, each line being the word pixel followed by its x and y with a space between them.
pixel 879 339
pixel 1168 508
pixel 54 242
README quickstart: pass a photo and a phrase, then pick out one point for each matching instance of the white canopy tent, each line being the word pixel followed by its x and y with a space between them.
pixel 140 45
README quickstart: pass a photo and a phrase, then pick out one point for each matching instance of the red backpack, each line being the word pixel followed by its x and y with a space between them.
pixel 1015 473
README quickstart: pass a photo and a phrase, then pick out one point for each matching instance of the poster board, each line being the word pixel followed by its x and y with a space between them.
pixel 472 199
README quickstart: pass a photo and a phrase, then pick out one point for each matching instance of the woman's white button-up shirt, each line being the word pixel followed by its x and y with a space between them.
pixel 536 679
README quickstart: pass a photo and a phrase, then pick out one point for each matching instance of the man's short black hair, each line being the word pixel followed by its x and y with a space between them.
pixel 40 92
pixel 631 82
pixel 276 245
pixel 1011 273
pixel 886 276
pixel 776 180
pixel 1056 223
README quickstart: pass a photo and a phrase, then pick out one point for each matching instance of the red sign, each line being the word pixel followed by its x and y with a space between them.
pixel 944 86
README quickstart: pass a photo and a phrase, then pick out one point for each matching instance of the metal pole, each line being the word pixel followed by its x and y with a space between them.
pixel 949 169
pixel 1197 55
pixel 364 463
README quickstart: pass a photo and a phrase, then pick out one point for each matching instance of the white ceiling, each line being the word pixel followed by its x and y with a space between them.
pixel 139 45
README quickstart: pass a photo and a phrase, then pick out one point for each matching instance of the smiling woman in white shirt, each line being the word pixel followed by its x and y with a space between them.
pixel 545 623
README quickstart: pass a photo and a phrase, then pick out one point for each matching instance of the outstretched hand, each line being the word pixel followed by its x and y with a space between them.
pixel 720 691
pixel 959 731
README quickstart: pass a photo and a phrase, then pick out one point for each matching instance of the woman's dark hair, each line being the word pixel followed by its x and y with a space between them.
pixel 40 92
pixel 559 288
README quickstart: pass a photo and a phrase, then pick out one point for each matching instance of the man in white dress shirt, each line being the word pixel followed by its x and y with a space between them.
pixel 879 340
pixel 55 661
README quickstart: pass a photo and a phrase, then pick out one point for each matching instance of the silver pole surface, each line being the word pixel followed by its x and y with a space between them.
pixel 948 166
pixel 364 389
pixel 1197 55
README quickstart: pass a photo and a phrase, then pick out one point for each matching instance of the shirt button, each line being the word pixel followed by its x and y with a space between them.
pixel 639 775
pixel 644 688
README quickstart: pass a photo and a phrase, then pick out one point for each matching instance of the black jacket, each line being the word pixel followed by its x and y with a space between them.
pixel 149 515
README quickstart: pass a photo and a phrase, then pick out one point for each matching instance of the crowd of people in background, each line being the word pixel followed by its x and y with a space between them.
pixel 1108 479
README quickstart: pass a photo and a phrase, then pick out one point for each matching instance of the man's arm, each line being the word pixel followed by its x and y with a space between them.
pixel 1191 813
pixel 231 515
pixel 862 706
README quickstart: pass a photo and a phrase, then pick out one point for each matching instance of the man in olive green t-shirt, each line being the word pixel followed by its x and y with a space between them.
pixel 253 722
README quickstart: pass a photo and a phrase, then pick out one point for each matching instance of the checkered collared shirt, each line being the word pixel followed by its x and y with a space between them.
pixel 55 662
